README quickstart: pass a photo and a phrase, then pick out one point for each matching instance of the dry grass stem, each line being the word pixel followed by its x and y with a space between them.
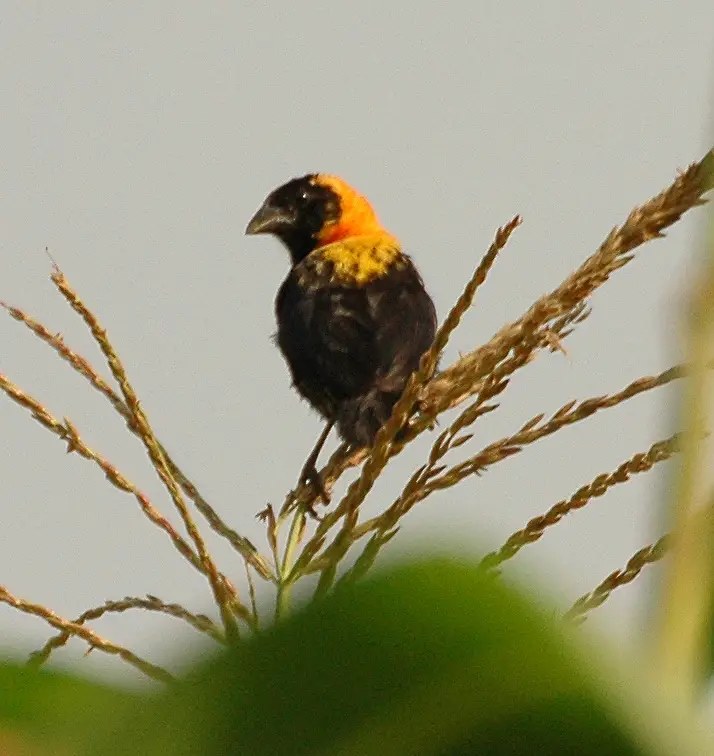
pixel 382 451
pixel 226 599
pixel 647 222
pixel 150 603
pixel 682 639
pixel 240 543
pixel 384 447
pixel 464 302
pixel 81 365
pixel 304 496
pixel 474 383
pixel 252 596
pixel 94 640
pixel 632 569
pixel 639 463
pixel 545 324
pixel 77 361
pixel 67 432
pixel 535 429
pixel 432 477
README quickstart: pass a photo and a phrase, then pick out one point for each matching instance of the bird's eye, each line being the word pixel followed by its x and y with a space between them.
pixel 304 196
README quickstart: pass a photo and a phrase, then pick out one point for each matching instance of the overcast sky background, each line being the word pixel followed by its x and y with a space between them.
pixel 138 139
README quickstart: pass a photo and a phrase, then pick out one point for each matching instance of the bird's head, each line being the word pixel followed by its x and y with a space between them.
pixel 313 211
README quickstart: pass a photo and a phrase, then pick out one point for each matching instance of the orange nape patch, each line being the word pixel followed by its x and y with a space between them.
pixel 357 218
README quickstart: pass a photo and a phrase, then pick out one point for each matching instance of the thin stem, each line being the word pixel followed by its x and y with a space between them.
pixel 224 593
pixel 152 603
pixel 285 580
pixel 681 641
pixel 95 641
pixel 618 578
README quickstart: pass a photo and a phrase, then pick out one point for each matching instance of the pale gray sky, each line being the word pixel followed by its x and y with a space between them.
pixel 138 139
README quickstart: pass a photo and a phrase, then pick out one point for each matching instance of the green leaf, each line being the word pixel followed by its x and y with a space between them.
pixel 432 658
pixel 49 709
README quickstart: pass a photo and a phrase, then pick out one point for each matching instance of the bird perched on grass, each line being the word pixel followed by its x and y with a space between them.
pixel 353 315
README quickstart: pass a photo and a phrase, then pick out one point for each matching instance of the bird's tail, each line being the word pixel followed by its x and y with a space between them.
pixel 359 418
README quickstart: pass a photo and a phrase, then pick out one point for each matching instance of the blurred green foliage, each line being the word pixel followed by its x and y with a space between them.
pixel 431 658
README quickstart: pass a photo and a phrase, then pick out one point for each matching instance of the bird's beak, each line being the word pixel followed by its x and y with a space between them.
pixel 269 220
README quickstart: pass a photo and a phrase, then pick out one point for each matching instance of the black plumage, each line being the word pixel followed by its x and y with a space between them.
pixel 353 315
pixel 350 348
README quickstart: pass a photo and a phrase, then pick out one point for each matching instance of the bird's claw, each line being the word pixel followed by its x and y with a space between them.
pixel 310 476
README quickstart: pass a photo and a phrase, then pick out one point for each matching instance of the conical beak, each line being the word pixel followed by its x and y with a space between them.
pixel 269 220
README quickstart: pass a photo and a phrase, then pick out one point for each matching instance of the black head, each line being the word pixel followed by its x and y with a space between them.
pixel 296 212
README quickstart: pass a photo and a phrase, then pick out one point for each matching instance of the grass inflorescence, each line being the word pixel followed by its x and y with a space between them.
pixel 339 544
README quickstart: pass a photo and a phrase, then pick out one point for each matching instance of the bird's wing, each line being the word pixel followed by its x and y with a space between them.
pixel 353 338
pixel 327 335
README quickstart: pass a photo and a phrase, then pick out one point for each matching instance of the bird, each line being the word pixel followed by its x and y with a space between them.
pixel 353 315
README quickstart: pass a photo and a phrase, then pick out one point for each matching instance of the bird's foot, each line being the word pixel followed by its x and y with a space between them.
pixel 310 476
